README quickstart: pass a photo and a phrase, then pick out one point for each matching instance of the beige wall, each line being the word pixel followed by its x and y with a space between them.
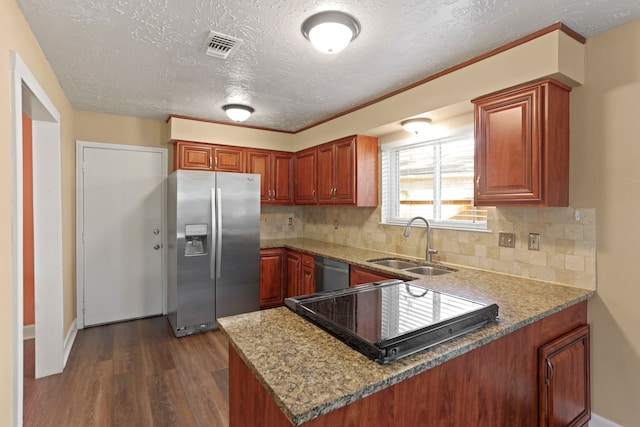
pixel 15 35
pixel 215 133
pixel 605 174
pixel 112 129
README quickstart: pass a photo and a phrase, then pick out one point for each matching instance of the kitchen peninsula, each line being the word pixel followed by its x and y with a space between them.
pixel 284 371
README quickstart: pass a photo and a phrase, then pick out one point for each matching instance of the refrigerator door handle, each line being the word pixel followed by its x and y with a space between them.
pixel 218 232
pixel 214 234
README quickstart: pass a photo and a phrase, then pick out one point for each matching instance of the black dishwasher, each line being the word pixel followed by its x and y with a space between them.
pixel 331 275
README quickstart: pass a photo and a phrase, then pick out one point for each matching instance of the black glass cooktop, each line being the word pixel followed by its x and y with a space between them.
pixel 392 319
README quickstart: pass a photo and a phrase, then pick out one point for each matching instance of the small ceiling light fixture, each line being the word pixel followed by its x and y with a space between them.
pixel 417 125
pixel 238 112
pixel 330 31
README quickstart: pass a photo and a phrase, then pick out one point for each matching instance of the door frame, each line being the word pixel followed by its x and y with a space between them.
pixel 29 97
pixel 80 146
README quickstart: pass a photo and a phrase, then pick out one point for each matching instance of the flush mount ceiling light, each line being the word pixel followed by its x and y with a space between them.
pixel 330 31
pixel 416 125
pixel 238 112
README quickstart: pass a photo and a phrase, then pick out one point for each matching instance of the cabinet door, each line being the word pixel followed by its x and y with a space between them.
pixel 508 148
pixel 281 178
pixel 229 159
pixel 358 276
pixel 522 146
pixel 193 156
pixel 564 373
pixel 326 170
pixel 293 273
pixel 344 172
pixel 305 177
pixel 307 275
pixel 260 162
pixel 271 283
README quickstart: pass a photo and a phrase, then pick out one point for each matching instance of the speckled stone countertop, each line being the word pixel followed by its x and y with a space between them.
pixel 308 372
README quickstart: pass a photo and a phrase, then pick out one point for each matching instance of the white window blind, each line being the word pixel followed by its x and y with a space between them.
pixel 433 179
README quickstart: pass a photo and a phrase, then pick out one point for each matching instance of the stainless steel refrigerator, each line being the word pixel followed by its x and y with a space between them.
pixel 214 248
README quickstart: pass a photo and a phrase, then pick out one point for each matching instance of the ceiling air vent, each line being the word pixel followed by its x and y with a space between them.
pixel 219 45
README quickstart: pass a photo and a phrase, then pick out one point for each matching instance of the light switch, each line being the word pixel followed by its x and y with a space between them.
pixel 507 240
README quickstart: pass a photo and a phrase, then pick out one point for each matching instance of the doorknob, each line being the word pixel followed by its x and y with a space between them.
pixel 156 231
pixel 156 247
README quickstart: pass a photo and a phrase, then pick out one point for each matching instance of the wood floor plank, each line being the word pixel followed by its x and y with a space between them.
pixel 208 402
pixel 169 405
pixel 130 401
pixel 133 373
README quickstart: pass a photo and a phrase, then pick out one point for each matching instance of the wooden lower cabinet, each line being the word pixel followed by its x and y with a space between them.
pixel 565 398
pixel 493 385
pixel 300 274
pixel 271 278
pixel 358 276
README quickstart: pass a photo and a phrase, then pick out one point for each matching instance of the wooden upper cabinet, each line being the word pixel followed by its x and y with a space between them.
pixel 326 173
pixel 228 159
pixel 305 177
pixel 193 156
pixel 201 156
pixel 522 146
pixel 564 372
pixel 276 173
pixel 348 171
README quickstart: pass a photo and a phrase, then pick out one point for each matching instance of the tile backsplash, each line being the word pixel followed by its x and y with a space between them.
pixel 567 246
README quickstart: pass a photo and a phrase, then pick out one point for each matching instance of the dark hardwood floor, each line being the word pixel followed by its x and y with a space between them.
pixel 133 373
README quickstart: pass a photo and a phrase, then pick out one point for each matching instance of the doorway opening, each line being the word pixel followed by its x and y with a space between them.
pixel 29 98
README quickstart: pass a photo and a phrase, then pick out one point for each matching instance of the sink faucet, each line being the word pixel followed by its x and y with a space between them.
pixel 407 230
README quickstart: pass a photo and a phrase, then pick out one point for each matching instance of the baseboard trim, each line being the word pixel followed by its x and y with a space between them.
pixel 69 340
pixel 598 421
pixel 28 332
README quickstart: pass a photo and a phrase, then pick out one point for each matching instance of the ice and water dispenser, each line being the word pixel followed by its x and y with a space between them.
pixel 196 239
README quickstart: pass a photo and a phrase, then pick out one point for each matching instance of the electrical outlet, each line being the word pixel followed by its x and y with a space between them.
pixel 507 240
pixel 290 221
pixel 534 242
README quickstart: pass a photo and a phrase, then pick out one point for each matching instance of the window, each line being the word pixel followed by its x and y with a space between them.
pixel 433 179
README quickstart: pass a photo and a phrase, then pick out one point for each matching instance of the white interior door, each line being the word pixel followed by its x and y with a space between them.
pixel 122 236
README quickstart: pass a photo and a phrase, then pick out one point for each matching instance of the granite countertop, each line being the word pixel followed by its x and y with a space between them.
pixel 308 372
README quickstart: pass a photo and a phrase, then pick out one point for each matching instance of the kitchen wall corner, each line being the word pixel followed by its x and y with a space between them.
pixel 274 222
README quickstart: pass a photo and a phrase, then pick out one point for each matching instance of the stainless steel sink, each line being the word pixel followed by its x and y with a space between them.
pixel 427 271
pixel 394 263
pixel 410 266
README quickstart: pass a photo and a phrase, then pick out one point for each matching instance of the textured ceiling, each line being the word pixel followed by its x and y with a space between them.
pixel 144 58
